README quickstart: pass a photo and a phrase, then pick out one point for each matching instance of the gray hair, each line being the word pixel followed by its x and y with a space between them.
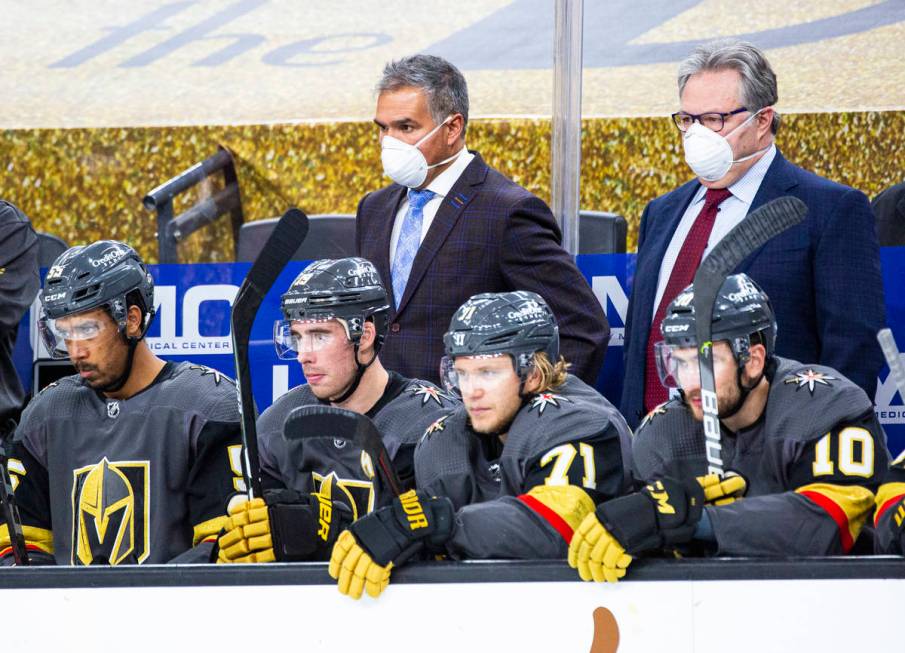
pixel 758 81
pixel 442 82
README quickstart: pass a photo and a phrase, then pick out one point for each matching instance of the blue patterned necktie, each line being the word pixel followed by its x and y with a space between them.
pixel 409 240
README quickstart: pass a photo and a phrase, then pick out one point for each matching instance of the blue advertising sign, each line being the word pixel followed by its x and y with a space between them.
pixel 192 323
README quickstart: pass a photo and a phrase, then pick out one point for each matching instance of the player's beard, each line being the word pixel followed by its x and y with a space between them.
pixel 727 399
pixel 100 379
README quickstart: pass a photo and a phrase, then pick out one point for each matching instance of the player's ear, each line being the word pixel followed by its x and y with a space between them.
pixel 368 336
pixel 133 321
pixel 757 361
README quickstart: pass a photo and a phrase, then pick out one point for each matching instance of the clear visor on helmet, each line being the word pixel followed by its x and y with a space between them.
pixel 292 338
pixel 62 334
pixel 678 367
pixel 466 374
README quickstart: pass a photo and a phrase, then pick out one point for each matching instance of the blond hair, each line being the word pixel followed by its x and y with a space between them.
pixel 547 375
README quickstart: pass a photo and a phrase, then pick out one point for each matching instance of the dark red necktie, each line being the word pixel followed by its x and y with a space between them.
pixel 682 275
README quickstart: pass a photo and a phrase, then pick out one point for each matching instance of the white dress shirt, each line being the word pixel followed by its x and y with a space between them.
pixel 731 212
pixel 441 187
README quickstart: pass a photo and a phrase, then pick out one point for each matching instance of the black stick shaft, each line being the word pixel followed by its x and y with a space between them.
pixel 11 515
pixel 279 249
pixel 744 239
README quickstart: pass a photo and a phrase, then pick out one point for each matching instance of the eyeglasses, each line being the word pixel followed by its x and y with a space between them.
pixel 713 120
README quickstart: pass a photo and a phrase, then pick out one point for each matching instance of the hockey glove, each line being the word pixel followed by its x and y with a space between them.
pixel 284 526
pixel 721 490
pixel 365 554
pixel 663 513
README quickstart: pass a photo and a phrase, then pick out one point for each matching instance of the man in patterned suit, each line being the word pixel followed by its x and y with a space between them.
pixel 451 227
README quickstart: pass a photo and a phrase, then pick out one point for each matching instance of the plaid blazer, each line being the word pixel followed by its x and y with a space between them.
pixel 489 235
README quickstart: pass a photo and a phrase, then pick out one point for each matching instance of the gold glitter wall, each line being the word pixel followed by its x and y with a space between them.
pixel 87 184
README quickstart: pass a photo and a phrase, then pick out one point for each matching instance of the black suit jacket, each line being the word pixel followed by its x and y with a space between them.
pixel 489 235
pixel 822 276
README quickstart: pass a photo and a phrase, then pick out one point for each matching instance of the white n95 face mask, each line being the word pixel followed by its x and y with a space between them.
pixel 404 163
pixel 708 154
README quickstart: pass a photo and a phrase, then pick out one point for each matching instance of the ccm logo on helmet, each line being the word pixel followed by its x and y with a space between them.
pixel 673 328
pixel 55 297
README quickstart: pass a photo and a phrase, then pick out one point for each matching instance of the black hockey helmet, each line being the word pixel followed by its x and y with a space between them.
pixel 100 275
pixel 517 323
pixel 741 310
pixel 347 289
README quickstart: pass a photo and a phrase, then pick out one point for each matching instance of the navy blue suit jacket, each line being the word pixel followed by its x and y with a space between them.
pixel 489 235
pixel 822 277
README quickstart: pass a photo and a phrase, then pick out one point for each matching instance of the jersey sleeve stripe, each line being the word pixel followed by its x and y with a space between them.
pixel 39 539
pixel 888 495
pixel 557 522
pixel 562 506
pixel 847 505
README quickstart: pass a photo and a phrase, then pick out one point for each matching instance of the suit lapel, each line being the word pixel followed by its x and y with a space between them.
pixel 459 196
pixel 777 182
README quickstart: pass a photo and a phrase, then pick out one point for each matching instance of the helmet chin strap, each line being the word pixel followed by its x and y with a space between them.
pixel 743 392
pixel 359 373
pixel 132 341
pixel 121 380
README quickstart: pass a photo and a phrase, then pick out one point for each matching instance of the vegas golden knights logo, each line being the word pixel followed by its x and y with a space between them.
pixel 358 495
pixel 110 513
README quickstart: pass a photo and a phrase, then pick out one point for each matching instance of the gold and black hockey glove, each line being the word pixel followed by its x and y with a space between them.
pixel 364 555
pixel 722 490
pixel 664 513
pixel 284 526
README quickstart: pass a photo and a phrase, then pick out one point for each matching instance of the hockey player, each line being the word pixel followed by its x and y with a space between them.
pixel 335 320
pixel 804 437
pixel 132 459
pixel 513 471
pixel 889 518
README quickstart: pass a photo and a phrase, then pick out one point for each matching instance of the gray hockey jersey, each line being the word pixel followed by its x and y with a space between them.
pixel 811 462
pixel 145 479
pixel 406 408
pixel 564 453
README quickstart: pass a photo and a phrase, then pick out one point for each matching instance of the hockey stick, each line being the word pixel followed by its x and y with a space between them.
pixel 332 422
pixel 891 354
pixel 11 515
pixel 284 241
pixel 750 234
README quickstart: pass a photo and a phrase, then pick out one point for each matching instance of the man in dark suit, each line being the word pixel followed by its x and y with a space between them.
pixel 19 284
pixel 889 207
pixel 451 227
pixel 823 275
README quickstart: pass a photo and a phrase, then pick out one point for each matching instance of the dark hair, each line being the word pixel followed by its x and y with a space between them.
pixel 444 85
